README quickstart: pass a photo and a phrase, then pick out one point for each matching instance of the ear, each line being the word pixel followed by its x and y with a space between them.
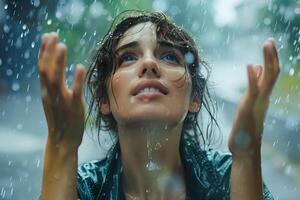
pixel 195 105
pixel 104 107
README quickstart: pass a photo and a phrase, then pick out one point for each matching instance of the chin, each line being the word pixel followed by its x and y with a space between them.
pixel 146 117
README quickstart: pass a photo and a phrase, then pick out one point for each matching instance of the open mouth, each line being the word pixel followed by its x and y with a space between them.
pixel 150 87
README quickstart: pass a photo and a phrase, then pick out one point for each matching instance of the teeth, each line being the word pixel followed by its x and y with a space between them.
pixel 149 89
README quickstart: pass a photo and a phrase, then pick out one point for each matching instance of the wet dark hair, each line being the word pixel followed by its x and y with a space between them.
pixel 105 62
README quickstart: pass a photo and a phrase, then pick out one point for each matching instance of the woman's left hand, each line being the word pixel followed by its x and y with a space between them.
pixel 246 134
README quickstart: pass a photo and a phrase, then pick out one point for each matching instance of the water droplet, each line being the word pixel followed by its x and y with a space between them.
pixel 32 45
pixel 49 21
pixel 28 98
pixel 151 166
pixel 5 6
pixel 291 71
pixel 189 58
pixel 157 146
pixel 242 140
pixel 19 127
pixel 15 86
pixel 24 27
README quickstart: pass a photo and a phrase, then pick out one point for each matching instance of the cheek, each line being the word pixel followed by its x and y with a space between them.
pixel 118 89
pixel 181 80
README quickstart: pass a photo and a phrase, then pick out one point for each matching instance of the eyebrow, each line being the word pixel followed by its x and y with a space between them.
pixel 161 43
pixel 128 45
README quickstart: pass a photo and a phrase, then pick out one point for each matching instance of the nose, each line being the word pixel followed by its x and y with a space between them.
pixel 149 68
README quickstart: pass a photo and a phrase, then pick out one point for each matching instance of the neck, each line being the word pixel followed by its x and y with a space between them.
pixel 152 166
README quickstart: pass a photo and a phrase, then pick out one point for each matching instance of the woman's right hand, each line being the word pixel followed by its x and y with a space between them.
pixel 63 107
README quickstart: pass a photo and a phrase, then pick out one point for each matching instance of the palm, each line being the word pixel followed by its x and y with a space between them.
pixel 64 108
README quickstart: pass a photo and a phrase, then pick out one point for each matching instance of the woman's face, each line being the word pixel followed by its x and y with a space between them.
pixel 150 84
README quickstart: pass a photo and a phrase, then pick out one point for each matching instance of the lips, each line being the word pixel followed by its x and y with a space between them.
pixel 149 84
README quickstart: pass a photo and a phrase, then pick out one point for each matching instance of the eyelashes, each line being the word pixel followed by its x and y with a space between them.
pixel 168 57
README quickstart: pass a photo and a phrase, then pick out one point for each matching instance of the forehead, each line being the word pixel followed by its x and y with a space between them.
pixel 139 32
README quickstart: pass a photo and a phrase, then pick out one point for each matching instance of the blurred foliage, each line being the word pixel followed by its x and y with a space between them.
pixel 92 20
pixel 283 18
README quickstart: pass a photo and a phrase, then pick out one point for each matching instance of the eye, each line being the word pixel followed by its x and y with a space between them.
pixel 170 57
pixel 127 57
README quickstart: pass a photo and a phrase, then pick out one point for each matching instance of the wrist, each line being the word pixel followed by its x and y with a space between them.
pixel 61 149
pixel 251 156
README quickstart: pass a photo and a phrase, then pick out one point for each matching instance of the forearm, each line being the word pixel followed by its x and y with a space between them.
pixel 59 176
pixel 246 178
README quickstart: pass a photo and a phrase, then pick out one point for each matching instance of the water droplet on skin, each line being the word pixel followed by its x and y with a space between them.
pixel 242 140
pixel 151 166
pixel 157 146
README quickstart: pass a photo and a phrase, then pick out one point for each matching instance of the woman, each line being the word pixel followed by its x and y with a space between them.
pixel 147 90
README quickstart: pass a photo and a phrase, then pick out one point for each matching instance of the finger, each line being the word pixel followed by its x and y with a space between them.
pixel 78 81
pixel 49 59
pixel 252 80
pixel 271 68
pixel 44 41
pixel 276 58
pixel 61 52
pixel 258 70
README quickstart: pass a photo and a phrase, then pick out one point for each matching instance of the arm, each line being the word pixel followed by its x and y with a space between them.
pixel 246 134
pixel 64 111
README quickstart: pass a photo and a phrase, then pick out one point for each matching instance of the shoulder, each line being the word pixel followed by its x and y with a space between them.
pixel 90 178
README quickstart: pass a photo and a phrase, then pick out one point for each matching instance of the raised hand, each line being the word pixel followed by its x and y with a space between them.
pixel 245 137
pixel 63 107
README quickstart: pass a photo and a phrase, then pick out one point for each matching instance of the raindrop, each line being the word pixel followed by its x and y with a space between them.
pixel 291 71
pixel 19 127
pixel 189 58
pixel 297 11
pixel 290 58
pixel 32 45
pixel 36 3
pixel 9 72
pixel 0 62
pixel 6 6
pixel 26 54
pixel 15 86
pixel 6 28
pixel 38 163
pixel 24 27
pixel 49 21
pixel 157 146
pixel 267 21
pixel 28 98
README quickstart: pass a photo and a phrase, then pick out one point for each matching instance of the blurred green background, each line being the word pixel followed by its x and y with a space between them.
pixel 229 34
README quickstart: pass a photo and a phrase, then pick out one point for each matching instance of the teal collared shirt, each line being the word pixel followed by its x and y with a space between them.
pixel 207 174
